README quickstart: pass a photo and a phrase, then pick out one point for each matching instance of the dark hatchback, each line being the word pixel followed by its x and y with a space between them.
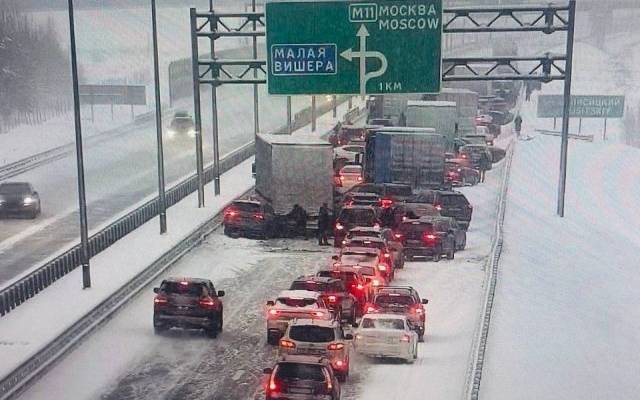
pixel 421 239
pixel 352 216
pixel 188 303
pixel 302 377
pixel 449 203
pixel 250 218
pixel 19 199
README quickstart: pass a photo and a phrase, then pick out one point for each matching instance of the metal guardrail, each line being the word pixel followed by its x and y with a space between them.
pixel 45 359
pixel 27 287
pixel 480 341
pixel 32 284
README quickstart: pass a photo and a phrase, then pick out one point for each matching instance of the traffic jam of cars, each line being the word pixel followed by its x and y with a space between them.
pixel 351 305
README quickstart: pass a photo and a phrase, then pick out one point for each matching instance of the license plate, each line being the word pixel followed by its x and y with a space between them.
pixel 300 390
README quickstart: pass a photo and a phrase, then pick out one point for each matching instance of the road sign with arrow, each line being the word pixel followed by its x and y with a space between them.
pixel 347 47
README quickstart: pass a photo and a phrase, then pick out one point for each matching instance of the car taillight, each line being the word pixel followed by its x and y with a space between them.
pixel 273 312
pixel 376 226
pixel 387 255
pixel 438 207
pixel 160 300
pixel 208 303
pixel 230 212
pixel 287 344
pixel 339 226
pixel 375 282
pixel 429 237
pixel 342 177
pixel 258 216
pixel 463 156
pixel 386 203
pixel 398 235
pixel 359 179
pixel 405 338
pixel 382 267
pixel 371 309
pixel 318 314
pixel 273 383
pixel 417 309
pixel 332 299
pixel 335 346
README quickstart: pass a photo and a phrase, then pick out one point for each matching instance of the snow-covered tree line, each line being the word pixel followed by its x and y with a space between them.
pixel 34 69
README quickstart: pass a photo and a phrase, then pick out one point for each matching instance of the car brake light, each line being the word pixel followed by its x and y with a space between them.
pixel 332 299
pixel 287 344
pixel 405 338
pixel 438 207
pixel 341 177
pixel 207 302
pixel 463 155
pixel 417 309
pixel 272 383
pixel 359 179
pixel 184 283
pixel 371 309
pixel 398 235
pixel 259 216
pixel 339 226
pixel 386 203
pixel 230 212
pixel 382 267
pixel 375 282
pixel 335 346
pixel 376 226
pixel 387 255
pixel 359 286
pixel 273 312
pixel 429 237
pixel 160 300
pixel 318 313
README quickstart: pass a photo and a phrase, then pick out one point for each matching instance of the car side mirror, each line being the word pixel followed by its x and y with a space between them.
pixel 220 293
pixel 335 258
pixel 348 336
pixel 267 370
pixel 355 325
pixel 271 303
pixel 156 290
pixel 425 301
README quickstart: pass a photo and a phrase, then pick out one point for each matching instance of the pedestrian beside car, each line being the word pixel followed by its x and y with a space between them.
pixel 324 222
pixel 299 217
pixel 485 164
pixel 518 124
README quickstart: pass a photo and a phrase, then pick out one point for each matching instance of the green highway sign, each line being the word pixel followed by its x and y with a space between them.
pixel 351 47
pixel 550 106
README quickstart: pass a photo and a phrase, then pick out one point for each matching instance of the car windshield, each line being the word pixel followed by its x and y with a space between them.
pixel 454 200
pixel 352 170
pixel 183 288
pixel 383 323
pixel 385 300
pixel 311 333
pixel 363 217
pixel 310 285
pixel 291 302
pixel 299 371
pixel 14 188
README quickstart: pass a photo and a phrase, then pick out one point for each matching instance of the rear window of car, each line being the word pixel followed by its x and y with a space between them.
pixel 427 198
pixel 303 372
pixel 311 333
pixel 354 149
pixel 383 323
pixel 289 302
pixel 454 200
pixel 358 217
pixel 309 285
pixel 419 227
pixel 353 169
pixel 345 277
pixel 399 190
pixel 377 189
pixel 251 207
pixel 367 271
pixel 12 188
pixel 420 210
pixel 389 299
pixel 367 243
pixel 187 289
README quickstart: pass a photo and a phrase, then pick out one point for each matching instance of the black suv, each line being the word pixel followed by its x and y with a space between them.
pixel 19 198
pixel 421 239
pixel 251 218
pixel 187 303
pixel 449 203
pixel 302 377
pixel 389 193
pixel 334 293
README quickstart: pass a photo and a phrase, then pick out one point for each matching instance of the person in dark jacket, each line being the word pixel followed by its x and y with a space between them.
pixel 518 124
pixel 324 221
pixel 485 164
pixel 299 216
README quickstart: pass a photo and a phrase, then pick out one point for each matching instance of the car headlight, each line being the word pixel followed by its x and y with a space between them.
pixel 192 132
pixel 28 200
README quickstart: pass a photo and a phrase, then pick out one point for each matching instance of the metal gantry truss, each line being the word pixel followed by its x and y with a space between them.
pixel 546 19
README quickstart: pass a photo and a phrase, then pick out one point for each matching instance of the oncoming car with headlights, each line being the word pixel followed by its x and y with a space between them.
pixel 181 125
pixel 19 198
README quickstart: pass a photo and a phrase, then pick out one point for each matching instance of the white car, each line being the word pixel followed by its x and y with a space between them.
pixel 386 335
pixel 291 304
pixel 349 152
pixel 349 176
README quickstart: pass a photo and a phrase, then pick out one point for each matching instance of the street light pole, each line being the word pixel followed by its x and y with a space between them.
pixel 162 200
pixel 82 198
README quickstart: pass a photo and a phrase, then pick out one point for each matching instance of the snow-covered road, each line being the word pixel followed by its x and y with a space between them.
pixel 125 360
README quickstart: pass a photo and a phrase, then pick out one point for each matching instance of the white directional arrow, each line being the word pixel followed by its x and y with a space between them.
pixel 363 54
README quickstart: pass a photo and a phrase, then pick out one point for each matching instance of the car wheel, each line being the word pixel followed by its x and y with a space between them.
pixel 220 323
pixel 272 339
pixel 342 377
pixel 227 231
pixel 213 330
pixel 159 328
pixel 437 255
pixel 421 337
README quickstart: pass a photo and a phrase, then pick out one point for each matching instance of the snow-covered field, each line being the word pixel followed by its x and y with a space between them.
pixel 565 322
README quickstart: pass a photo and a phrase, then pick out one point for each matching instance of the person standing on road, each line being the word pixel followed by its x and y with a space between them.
pixel 299 217
pixel 323 225
pixel 518 124
pixel 485 164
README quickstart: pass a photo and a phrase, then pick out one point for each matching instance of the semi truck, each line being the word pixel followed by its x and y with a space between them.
pixel 294 169
pixel 466 106
pixel 414 156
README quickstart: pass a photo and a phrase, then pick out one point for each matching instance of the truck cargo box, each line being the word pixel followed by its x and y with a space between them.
pixel 439 115
pixel 294 170
pixel 466 106
pixel 415 156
